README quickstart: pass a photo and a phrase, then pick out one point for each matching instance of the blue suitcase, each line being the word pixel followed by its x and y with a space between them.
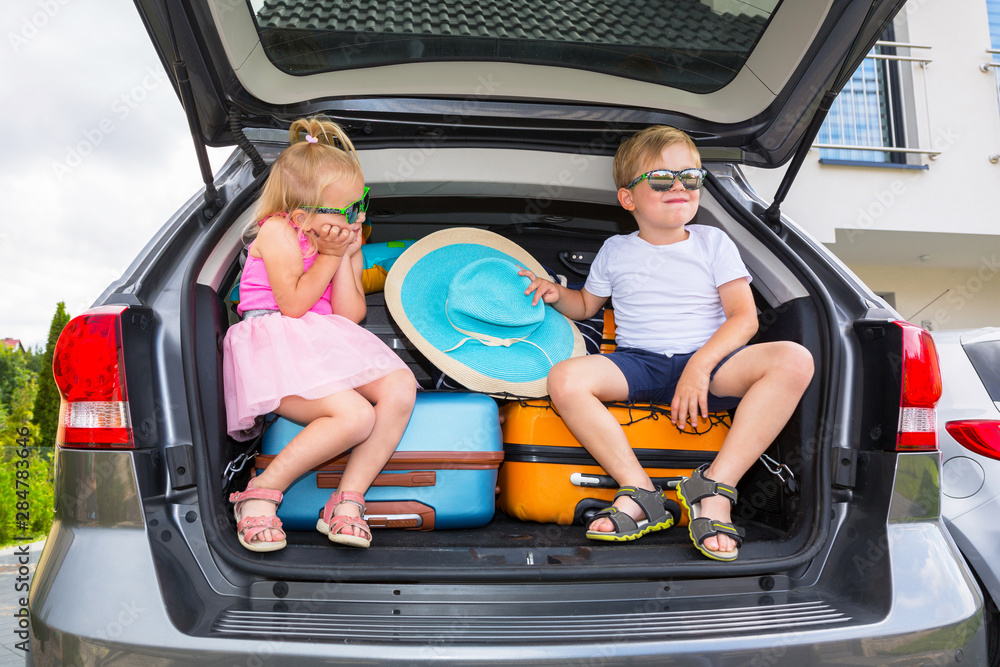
pixel 442 475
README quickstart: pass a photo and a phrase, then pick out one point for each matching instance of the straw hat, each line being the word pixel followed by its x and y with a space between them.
pixel 457 297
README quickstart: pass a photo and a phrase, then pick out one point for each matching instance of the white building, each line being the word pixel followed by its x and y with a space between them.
pixel 920 222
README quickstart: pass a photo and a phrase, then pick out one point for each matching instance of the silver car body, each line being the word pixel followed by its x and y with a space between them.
pixel 142 565
pixel 111 541
pixel 970 482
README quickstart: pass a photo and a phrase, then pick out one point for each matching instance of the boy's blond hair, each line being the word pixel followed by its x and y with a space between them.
pixel 644 147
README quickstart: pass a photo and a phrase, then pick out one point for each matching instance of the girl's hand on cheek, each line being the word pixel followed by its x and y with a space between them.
pixel 356 241
pixel 333 240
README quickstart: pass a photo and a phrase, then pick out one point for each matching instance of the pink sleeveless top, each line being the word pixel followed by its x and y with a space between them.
pixel 255 290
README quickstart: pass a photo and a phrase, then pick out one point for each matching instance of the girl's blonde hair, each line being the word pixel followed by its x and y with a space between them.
pixel 320 154
pixel 644 147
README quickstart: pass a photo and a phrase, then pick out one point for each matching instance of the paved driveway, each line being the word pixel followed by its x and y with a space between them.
pixel 12 577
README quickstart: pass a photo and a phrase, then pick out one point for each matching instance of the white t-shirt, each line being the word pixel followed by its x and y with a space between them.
pixel 666 298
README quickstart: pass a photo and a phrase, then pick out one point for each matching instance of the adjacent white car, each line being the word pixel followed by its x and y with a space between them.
pixel 969 432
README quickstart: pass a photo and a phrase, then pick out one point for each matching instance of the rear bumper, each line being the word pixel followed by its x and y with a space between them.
pixel 95 596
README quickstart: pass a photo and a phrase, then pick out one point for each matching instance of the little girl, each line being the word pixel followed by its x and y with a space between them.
pixel 299 351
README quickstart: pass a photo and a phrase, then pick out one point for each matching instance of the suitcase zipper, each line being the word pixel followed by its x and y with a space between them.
pixel 649 458
pixel 592 481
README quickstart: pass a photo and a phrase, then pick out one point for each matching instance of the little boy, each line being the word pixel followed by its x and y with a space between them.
pixel 683 313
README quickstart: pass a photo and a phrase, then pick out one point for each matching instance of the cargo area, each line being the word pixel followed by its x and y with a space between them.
pixel 779 517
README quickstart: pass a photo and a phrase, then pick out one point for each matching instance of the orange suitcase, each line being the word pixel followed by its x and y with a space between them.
pixel 547 476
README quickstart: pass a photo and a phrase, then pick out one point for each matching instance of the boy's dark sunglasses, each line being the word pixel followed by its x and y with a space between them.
pixel 351 212
pixel 662 180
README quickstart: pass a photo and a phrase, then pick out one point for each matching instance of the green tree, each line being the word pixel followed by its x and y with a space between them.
pixel 14 372
pixel 46 410
pixel 26 505
pixel 16 419
pixel 34 362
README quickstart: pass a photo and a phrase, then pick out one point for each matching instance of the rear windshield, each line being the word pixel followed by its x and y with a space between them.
pixel 985 357
pixel 698 46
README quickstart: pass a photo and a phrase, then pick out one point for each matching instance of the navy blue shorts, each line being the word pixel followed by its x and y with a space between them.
pixel 652 377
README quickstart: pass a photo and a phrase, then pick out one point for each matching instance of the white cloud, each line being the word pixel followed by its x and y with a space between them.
pixel 96 155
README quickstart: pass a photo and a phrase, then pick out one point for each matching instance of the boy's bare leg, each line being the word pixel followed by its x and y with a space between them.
pixel 771 378
pixel 577 388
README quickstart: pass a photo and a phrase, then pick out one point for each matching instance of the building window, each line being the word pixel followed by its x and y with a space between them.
pixel 877 118
pixel 993 12
pixel 867 112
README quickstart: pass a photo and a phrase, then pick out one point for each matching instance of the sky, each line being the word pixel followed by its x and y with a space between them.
pixel 95 155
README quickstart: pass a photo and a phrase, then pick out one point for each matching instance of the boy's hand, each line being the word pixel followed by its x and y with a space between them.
pixel 690 397
pixel 546 290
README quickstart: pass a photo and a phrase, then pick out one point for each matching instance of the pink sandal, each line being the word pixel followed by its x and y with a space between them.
pixel 332 526
pixel 249 527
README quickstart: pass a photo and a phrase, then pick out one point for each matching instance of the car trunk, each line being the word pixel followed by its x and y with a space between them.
pixel 418 98
pixel 781 520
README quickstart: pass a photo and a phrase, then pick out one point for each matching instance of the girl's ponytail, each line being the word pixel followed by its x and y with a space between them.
pixel 320 153
pixel 320 130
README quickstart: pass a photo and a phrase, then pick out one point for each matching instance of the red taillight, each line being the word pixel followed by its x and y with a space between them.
pixel 88 369
pixel 921 391
pixel 981 436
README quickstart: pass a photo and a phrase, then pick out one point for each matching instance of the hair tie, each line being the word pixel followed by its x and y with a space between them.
pixel 311 139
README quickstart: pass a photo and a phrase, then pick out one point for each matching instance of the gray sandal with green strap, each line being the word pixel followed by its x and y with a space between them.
pixel 690 491
pixel 627 528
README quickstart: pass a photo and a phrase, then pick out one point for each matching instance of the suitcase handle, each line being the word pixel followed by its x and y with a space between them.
pixel 588 480
pixel 331 480
pixel 408 514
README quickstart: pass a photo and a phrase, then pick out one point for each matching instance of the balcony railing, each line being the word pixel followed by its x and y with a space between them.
pixel 865 123
pixel 994 64
pixel 985 67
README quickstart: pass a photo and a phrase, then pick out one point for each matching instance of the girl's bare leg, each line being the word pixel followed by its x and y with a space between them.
pixel 393 396
pixel 333 424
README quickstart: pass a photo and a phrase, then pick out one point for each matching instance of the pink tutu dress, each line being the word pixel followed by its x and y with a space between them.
pixel 268 356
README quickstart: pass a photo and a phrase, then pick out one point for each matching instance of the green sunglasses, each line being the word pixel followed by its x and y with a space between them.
pixel 351 212
pixel 662 180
